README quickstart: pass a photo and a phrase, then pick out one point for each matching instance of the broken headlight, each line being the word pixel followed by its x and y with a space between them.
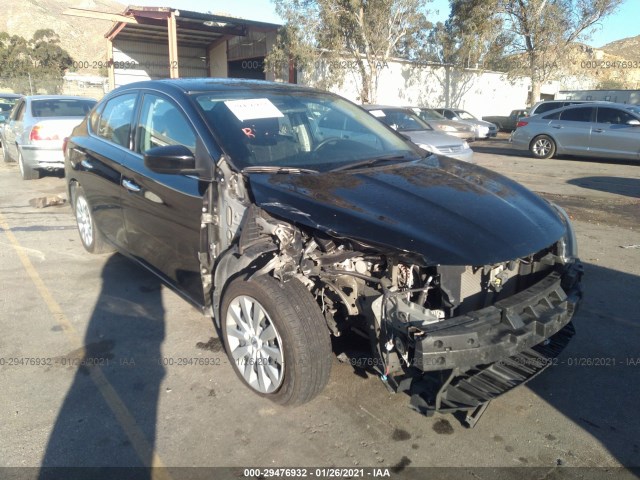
pixel 568 245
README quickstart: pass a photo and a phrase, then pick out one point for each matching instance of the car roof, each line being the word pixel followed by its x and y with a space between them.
pixel 10 95
pixel 622 106
pixel 570 100
pixel 57 97
pixel 384 107
pixel 197 85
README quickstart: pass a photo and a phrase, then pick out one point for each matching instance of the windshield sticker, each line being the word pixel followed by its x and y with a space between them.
pixel 253 109
pixel 377 113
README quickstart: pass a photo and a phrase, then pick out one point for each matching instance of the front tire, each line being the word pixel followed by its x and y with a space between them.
pixel 27 172
pixel 5 153
pixel 92 239
pixel 543 146
pixel 276 338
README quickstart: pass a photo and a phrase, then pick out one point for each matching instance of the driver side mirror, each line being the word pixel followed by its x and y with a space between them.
pixel 172 159
pixel 634 123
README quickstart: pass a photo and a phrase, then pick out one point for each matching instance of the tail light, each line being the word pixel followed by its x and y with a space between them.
pixel 64 144
pixel 41 132
pixel 521 123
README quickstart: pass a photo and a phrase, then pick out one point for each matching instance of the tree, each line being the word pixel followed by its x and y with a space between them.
pixel 346 36
pixel 539 33
pixel 38 63
pixel 469 39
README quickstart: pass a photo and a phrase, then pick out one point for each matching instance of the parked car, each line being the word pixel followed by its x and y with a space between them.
pixel 594 130
pixel 36 128
pixel 7 101
pixel 289 214
pixel 483 129
pixel 441 124
pixel 507 124
pixel 548 105
pixel 419 132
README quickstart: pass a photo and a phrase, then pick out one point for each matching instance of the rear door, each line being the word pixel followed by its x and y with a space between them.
pixel 572 131
pixel 13 127
pixel 96 161
pixel 612 136
pixel 162 212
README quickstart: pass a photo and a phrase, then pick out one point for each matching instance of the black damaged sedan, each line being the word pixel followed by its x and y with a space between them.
pixel 290 215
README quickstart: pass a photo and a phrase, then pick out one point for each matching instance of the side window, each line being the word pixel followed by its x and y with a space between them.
pixel 613 116
pixel 18 113
pixel 162 123
pixel 580 114
pixel 333 120
pixel 449 114
pixel 552 116
pixel 115 122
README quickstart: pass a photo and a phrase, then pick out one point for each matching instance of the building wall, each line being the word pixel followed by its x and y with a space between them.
pixel 620 96
pixel 136 61
pixel 405 83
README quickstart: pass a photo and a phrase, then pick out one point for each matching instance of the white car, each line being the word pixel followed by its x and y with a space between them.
pixel 483 129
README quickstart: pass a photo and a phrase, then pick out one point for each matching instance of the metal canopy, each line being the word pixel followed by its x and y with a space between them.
pixel 172 27
pixel 192 28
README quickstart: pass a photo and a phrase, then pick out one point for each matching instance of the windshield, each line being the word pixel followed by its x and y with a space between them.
pixel 67 107
pixel 465 115
pixel 7 103
pixel 428 114
pixel 635 109
pixel 402 120
pixel 310 130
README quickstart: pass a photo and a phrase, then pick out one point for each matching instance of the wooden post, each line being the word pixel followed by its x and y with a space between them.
pixel 111 74
pixel 173 46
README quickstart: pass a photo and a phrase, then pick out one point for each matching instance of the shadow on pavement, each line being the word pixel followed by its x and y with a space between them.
pixel 595 382
pixel 108 418
pixel 629 187
pixel 498 147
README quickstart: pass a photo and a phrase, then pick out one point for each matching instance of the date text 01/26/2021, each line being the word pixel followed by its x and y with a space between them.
pixel 316 472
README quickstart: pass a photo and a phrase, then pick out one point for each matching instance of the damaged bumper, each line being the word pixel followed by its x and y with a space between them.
pixel 502 329
pixel 463 363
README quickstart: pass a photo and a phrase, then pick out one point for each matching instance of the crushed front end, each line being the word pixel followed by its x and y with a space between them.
pixel 459 304
pixel 495 328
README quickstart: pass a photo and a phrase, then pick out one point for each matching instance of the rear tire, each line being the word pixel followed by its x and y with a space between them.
pixel 542 146
pixel 92 239
pixel 26 172
pixel 276 338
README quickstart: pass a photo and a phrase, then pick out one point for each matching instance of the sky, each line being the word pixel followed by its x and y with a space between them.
pixel 624 23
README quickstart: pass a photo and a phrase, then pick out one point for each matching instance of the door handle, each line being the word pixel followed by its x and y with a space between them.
pixel 131 186
pixel 598 130
pixel 85 163
pixel 556 126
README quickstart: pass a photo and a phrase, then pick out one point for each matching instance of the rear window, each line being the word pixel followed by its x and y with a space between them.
pixel 545 107
pixel 61 107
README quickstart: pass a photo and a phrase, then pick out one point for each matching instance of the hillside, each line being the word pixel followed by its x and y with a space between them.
pixel 627 48
pixel 83 38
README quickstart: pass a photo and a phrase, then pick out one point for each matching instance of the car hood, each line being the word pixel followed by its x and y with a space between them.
pixel 480 123
pixel 447 211
pixel 458 125
pixel 434 139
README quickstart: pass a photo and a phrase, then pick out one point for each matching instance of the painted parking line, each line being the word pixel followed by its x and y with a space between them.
pixel 141 445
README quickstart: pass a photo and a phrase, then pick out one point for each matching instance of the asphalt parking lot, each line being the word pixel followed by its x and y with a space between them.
pixel 163 393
